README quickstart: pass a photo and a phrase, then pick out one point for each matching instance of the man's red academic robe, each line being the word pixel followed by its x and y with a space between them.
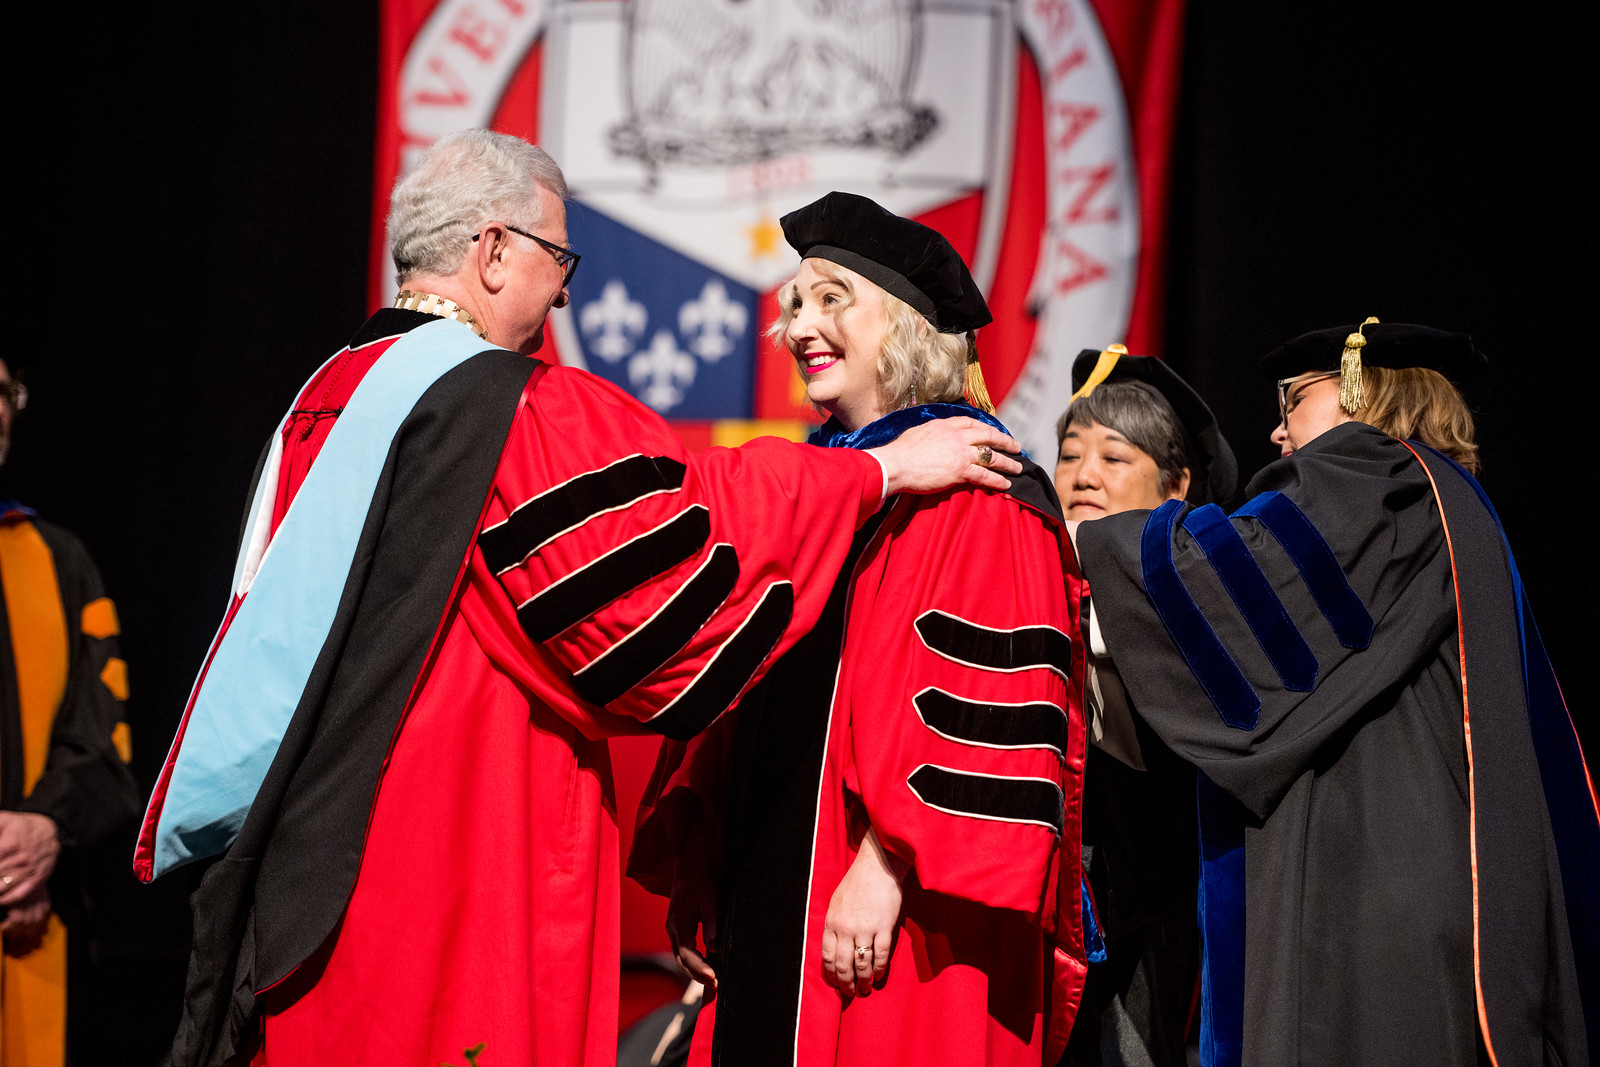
pixel 938 701
pixel 414 883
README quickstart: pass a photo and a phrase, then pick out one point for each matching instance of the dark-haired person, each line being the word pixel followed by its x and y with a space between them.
pixel 64 747
pixel 1134 436
pixel 1400 849
pixel 899 802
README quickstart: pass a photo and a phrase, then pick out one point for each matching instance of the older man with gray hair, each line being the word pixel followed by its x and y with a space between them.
pixel 462 570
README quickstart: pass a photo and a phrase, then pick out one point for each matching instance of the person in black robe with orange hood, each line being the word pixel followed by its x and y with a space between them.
pixel 1399 844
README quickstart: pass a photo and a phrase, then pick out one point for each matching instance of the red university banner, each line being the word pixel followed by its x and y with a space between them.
pixel 1035 134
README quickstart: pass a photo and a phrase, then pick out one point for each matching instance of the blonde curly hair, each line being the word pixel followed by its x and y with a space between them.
pixel 916 362
pixel 1415 402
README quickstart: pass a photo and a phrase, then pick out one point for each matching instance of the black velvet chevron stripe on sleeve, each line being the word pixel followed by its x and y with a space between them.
pixel 593 586
pixel 731 668
pixel 1041 725
pixel 996 650
pixel 559 509
pixel 986 796
pixel 641 653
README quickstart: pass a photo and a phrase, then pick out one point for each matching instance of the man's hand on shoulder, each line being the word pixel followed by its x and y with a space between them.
pixel 946 452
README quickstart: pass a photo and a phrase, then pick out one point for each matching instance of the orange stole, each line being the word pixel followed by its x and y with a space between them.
pixel 33 986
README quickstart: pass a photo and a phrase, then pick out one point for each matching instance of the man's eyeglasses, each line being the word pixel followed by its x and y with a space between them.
pixel 566 258
pixel 15 394
pixel 1289 397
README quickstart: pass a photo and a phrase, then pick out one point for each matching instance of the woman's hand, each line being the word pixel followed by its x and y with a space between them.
pixel 858 933
pixel 692 909
pixel 689 911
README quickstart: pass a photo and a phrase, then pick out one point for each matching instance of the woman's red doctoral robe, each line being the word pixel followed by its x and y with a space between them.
pixel 938 701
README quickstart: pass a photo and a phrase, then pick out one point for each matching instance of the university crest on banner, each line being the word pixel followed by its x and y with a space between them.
pixel 687 128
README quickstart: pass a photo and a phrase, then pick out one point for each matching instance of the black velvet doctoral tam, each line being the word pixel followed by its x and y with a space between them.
pixel 904 257
pixel 1389 344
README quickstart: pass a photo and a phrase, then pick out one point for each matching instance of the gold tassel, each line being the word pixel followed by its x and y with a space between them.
pixel 1352 397
pixel 1102 370
pixel 977 392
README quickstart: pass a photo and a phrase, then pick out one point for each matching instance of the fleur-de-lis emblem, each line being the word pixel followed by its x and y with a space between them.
pixel 718 321
pixel 613 323
pixel 664 370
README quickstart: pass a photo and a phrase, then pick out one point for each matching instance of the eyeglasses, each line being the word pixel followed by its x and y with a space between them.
pixel 15 394
pixel 1286 402
pixel 566 258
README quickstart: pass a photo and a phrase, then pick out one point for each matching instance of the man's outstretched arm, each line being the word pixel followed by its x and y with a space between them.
pixel 945 452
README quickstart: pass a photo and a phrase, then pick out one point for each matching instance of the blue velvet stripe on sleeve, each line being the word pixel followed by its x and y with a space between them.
pixel 1222 926
pixel 1319 568
pixel 1278 636
pixel 1236 702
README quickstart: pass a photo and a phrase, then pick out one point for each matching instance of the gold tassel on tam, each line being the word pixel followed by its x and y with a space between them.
pixel 1352 397
pixel 1102 370
pixel 977 392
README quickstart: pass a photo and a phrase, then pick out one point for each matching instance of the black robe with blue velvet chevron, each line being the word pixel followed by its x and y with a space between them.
pixel 1356 812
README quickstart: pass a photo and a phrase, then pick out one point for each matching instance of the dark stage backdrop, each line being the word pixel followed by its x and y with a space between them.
pixel 195 208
